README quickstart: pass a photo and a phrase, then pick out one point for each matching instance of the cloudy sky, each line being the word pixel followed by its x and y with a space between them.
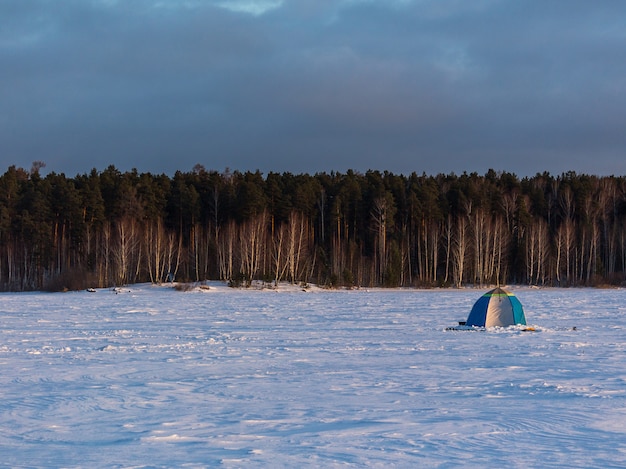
pixel 431 86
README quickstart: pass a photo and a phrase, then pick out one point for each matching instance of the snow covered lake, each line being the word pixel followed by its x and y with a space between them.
pixel 153 377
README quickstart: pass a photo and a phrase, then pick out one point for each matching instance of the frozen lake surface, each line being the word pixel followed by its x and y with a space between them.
pixel 153 377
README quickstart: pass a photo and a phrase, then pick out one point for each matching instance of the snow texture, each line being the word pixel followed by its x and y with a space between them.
pixel 148 376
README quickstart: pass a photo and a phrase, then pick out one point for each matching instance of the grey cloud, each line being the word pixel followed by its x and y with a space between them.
pixel 433 86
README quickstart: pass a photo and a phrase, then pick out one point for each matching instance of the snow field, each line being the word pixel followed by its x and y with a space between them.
pixel 152 377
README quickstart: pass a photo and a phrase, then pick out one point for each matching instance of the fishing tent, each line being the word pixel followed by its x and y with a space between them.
pixel 497 307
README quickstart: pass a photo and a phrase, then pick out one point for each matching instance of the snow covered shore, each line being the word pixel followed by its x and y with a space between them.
pixel 152 377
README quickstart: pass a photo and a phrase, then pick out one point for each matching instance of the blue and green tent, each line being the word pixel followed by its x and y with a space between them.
pixel 496 308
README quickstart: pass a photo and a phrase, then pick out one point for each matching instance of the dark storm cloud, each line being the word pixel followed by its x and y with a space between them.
pixel 314 85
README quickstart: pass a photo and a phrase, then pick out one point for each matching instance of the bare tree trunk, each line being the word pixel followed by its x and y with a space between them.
pixel 125 250
pixel 337 261
pixel 195 246
pixel 106 254
pixel 226 250
pixel 155 240
pixel 280 265
pixel 448 238
pixel 459 250
pixel 321 204
pixel 537 243
pixel 297 234
pixel 565 246
pixel 251 244
pixel 567 207
pixel 174 248
pixel 379 218
pixel 559 245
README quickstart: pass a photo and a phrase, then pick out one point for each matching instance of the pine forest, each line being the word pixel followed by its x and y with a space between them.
pixel 112 228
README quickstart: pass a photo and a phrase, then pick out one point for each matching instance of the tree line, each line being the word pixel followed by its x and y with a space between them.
pixel 109 228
